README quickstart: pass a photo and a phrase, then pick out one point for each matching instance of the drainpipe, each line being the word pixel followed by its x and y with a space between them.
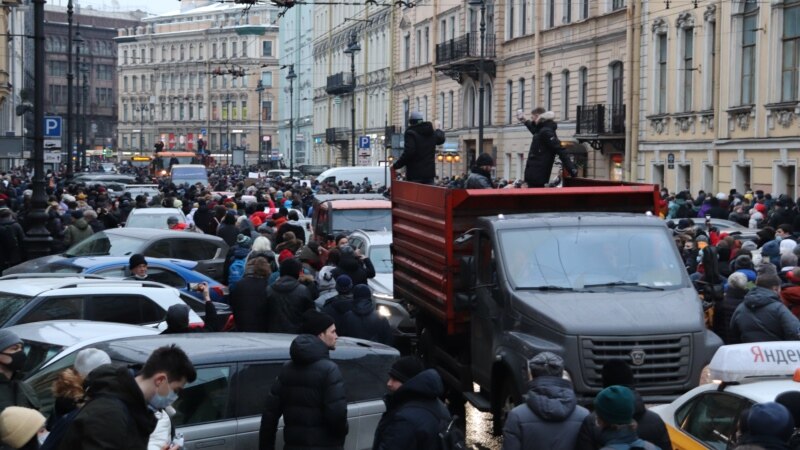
pixel 632 108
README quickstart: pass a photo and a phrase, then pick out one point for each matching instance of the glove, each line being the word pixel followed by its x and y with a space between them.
pixel 573 172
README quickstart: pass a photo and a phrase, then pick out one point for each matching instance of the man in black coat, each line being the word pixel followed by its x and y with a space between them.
pixel 545 145
pixel 363 321
pixel 12 240
pixel 419 150
pixel 309 393
pixel 356 266
pixel 292 224
pixel 650 427
pixel 248 298
pixel 119 413
pixel 288 299
pixel 413 409
pixel 341 304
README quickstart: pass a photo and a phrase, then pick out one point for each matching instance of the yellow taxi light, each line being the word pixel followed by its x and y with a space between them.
pixel 732 363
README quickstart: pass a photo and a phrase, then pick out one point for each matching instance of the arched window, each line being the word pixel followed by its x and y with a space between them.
pixel 748 52
pixel 468 112
pixel 790 70
pixel 548 91
pixel 616 83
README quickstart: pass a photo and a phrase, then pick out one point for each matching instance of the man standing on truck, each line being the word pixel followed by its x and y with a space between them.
pixel 419 152
pixel 545 145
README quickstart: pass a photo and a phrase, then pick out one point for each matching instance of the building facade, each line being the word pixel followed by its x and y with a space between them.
pixel 18 75
pixel 192 74
pixel 352 40
pixel 95 82
pixel 295 37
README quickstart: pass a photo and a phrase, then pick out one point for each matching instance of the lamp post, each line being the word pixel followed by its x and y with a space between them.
pixel 482 4
pixel 291 76
pixel 260 90
pixel 352 49
pixel 78 40
pixel 70 77
pixel 228 128
pixel 85 72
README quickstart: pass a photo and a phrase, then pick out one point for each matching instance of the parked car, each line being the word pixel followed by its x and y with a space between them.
pixel 149 190
pixel 26 299
pixel 46 343
pixel 375 246
pixel 223 406
pixel 153 217
pixel 208 251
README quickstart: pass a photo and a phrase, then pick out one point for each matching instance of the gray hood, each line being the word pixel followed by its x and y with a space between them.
pixel 759 297
pixel 551 398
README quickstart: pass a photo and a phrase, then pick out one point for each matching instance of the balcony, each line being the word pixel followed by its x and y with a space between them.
pixel 600 124
pixel 340 83
pixel 337 136
pixel 461 56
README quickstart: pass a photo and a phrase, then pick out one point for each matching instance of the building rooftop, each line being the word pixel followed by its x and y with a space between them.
pixel 135 16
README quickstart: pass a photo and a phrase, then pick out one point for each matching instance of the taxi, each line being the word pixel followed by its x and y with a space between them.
pixel 743 375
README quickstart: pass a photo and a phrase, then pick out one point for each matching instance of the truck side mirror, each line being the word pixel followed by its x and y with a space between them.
pixel 465 294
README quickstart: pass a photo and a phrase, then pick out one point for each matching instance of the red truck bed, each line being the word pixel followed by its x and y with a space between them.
pixel 427 219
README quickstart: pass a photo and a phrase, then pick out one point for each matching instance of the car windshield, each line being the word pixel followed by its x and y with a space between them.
pixel 150 220
pixel 362 219
pixel 101 243
pixel 591 257
pixel 37 354
pixel 381 258
pixel 10 304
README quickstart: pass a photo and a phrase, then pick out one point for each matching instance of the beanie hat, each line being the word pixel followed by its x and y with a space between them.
pixel 770 419
pixel 315 322
pixel 344 284
pixel 791 400
pixel 738 280
pixel 484 159
pixel 760 207
pixel 172 220
pixel 406 368
pixel 617 372
pixel 415 116
pixel 242 240
pixel 178 317
pixel 546 363
pixel 361 291
pixel 284 255
pixel 615 405
pixel 19 425
pixel 8 338
pixel 136 260
pixel 291 267
pixel 89 359
pixel 749 246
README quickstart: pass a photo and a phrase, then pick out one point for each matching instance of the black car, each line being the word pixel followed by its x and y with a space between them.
pixel 222 408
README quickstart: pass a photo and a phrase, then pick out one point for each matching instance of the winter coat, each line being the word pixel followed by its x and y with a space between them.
pixel 14 255
pixel 287 300
pixel 762 317
pixel 248 301
pixel 364 322
pixel 359 270
pixel 116 416
pixel 649 426
pixel 790 296
pixel 419 152
pixel 77 232
pixel 293 226
pixel 228 233
pixel 549 418
pixel 723 312
pixel 626 437
pixel 204 219
pixel 545 145
pixel 309 393
pixel 337 307
pixel 412 416
pixel 15 392
pixel 479 179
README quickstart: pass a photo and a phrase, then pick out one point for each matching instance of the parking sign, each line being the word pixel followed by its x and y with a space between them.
pixel 52 126
pixel 363 142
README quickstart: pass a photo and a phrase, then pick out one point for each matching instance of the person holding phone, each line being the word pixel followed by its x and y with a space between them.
pixel 178 315
pixel 545 146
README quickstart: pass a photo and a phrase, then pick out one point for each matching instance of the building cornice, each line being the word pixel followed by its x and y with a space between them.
pixel 584 43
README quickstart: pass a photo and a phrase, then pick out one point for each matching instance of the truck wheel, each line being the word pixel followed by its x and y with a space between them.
pixel 504 400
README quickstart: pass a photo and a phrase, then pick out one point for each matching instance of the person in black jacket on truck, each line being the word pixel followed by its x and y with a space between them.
pixel 419 151
pixel 545 145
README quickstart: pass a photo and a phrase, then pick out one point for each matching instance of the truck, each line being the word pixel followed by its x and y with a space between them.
pixel 334 214
pixel 495 276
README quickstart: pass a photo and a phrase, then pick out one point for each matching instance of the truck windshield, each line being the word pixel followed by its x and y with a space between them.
pixel 572 258
pixel 362 219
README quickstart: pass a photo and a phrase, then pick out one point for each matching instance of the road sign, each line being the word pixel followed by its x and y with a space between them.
pixel 52 157
pixel 363 142
pixel 52 126
pixel 52 144
pixel 203 131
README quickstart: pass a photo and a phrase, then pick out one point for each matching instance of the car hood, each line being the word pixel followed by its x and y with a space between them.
pixel 613 310
pixel 33 265
pixel 383 283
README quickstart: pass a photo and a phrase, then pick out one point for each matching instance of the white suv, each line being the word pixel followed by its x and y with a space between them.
pixel 29 298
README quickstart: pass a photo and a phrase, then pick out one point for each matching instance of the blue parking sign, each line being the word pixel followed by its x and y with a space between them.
pixel 363 142
pixel 52 126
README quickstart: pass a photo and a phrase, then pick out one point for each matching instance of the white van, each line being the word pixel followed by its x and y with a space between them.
pixel 378 176
pixel 189 174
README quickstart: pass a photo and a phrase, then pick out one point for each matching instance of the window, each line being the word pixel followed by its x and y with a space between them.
pixel 134 83
pixel 224 46
pixel 551 13
pixel 548 91
pixel 419 48
pixel 165 276
pixel 205 400
pixel 131 309
pixel 55 308
pixel 442 109
pixel 125 84
pixel 709 75
pixel 583 86
pixel 213 49
pixel 565 93
pixel 125 57
pixel 407 51
pixel 509 101
pixel 510 18
pixel 584 9
pixel 266 110
pixel 688 67
pixel 617 4
pixel 661 74
pixel 234 49
pixel 450 102
pixel 252 384
pixel 616 84
pixel 200 51
pixel 427 45
pixel 365 377
pixel 266 48
pixel 521 84
pixel 711 417
pixel 523 28
pixel 183 52
pixel 443 31
pixel 266 79
pixel 193 250
pixel 749 25
pixel 790 70
pixel 567 11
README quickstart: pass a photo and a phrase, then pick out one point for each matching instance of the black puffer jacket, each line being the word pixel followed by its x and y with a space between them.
pixel 479 179
pixel 363 322
pixel 248 301
pixel 545 145
pixel 763 317
pixel 412 416
pixel 419 152
pixel 723 312
pixel 287 300
pixel 11 254
pixel 116 416
pixel 359 270
pixel 337 307
pixel 550 417
pixel 309 394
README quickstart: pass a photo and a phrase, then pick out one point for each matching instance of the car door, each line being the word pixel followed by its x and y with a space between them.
pixel 203 411
pixel 209 255
pixel 365 379
pixel 54 308
pixel 251 384
pixel 710 419
pixel 132 309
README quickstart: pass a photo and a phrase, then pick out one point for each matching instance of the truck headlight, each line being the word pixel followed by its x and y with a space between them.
pixel 384 311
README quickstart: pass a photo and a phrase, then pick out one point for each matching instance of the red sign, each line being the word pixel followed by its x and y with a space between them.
pixel 190 141
pixel 172 141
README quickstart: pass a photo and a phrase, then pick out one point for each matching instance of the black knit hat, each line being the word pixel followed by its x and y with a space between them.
pixel 315 322
pixel 617 371
pixel 406 368
pixel 791 400
pixel 484 159
pixel 136 260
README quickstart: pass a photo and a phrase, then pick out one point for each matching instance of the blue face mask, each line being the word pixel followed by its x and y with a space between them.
pixel 699 257
pixel 162 401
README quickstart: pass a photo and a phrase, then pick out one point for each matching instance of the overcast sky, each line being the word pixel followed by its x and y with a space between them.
pixel 151 6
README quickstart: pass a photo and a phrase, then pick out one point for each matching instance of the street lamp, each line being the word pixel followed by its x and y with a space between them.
pixel 291 76
pixel 260 90
pixel 352 49
pixel 141 109
pixel 228 129
pixel 78 40
pixel 70 77
pixel 85 72
pixel 482 4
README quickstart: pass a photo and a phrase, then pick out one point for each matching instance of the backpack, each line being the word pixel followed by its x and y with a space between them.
pixel 451 437
pixel 235 272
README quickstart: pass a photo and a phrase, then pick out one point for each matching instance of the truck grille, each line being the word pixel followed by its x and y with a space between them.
pixel 655 360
